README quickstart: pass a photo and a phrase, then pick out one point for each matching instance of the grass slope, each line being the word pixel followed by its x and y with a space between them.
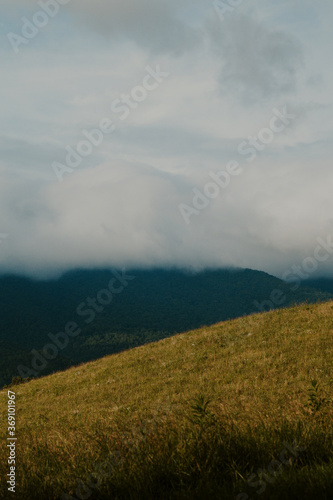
pixel 238 410
pixel 154 305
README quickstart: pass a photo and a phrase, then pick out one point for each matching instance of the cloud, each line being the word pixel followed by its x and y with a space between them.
pixel 121 205
pixel 151 24
pixel 257 63
pixel 127 214
pixel 156 26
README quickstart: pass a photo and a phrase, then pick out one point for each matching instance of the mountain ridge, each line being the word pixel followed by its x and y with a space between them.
pixel 152 305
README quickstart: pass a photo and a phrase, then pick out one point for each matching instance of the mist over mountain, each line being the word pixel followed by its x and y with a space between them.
pixel 162 134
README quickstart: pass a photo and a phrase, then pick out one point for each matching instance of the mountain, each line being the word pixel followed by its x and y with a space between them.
pixel 49 325
pixel 323 284
pixel 236 410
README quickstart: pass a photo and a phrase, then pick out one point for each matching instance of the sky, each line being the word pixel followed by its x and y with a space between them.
pixel 150 133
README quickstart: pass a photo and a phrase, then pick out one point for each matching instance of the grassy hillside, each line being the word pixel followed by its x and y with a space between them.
pixel 237 410
pixel 153 305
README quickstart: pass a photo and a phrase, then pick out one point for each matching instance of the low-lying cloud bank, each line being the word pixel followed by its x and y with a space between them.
pixel 162 133
pixel 126 214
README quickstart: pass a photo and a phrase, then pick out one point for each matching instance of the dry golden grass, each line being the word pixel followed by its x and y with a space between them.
pixel 255 369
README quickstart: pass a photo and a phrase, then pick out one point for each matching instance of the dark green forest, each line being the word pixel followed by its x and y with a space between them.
pixel 154 304
pixel 323 284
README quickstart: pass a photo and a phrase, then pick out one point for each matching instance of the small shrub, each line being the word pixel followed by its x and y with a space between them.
pixel 18 380
pixel 200 414
pixel 316 401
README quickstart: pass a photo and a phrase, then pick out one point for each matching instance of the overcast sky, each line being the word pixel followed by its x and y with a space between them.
pixel 178 89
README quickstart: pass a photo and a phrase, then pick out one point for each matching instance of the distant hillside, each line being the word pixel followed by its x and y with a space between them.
pixel 322 284
pixel 238 410
pixel 146 306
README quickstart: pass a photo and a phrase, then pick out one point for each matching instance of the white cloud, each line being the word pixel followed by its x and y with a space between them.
pixel 121 205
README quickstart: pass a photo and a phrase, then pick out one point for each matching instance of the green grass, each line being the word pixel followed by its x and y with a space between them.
pixel 192 416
